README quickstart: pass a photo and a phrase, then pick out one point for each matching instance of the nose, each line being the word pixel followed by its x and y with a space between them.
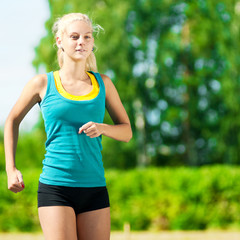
pixel 80 40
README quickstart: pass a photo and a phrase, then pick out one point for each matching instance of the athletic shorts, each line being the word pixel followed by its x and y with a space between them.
pixel 81 199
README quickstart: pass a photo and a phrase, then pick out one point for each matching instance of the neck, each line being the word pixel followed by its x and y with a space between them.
pixel 74 70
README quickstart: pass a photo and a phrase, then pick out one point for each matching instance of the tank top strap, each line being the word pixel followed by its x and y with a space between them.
pixel 51 82
pixel 100 80
pixel 50 86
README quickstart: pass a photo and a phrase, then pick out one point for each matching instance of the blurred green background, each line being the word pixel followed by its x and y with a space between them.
pixel 176 67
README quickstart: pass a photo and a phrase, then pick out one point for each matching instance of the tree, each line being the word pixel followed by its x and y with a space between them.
pixel 186 89
pixel 175 65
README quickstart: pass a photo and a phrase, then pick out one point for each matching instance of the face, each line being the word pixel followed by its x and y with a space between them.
pixel 77 40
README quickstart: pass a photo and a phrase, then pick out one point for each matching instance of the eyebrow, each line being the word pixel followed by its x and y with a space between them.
pixel 78 33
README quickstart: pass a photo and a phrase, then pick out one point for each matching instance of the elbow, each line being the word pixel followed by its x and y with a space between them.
pixel 11 122
pixel 128 139
pixel 129 136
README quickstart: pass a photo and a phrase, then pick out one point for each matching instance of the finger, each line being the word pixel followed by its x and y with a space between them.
pixel 93 134
pixel 90 129
pixel 20 180
pixel 85 126
pixel 15 188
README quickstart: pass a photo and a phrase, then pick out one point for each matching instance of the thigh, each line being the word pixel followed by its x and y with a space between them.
pixel 94 225
pixel 58 222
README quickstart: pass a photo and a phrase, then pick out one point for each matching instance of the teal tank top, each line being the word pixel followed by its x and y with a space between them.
pixel 72 159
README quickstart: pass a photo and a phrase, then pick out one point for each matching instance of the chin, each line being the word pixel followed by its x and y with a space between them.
pixel 79 58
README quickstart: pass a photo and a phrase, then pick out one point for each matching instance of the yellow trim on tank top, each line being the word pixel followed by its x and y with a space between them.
pixel 64 93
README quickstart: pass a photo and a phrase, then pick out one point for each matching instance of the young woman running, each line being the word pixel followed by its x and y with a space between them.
pixel 73 200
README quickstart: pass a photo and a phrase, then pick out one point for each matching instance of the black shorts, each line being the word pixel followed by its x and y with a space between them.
pixel 81 199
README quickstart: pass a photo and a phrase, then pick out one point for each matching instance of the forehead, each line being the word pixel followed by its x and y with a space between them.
pixel 80 27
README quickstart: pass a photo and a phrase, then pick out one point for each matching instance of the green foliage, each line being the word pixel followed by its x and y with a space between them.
pixel 18 212
pixel 175 65
pixel 149 199
pixel 30 149
pixel 187 76
pixel 175 198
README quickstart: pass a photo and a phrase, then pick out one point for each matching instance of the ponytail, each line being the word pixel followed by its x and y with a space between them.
pixel 91 63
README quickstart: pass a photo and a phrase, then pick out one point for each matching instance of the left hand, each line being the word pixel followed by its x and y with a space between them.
pixel 91 129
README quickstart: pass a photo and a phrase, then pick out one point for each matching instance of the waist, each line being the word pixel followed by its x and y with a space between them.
pixel 87 172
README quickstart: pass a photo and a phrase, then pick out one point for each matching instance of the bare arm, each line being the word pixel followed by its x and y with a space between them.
pixel 31 94
pixel 121 130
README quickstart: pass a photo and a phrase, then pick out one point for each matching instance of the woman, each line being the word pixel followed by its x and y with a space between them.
pixel 73 201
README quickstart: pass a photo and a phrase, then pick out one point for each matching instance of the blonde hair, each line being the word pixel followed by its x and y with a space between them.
pixel 60 26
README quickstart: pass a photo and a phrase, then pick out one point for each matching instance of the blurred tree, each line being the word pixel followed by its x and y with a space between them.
pixel 30 149
pixel 175 65
pixel 185 66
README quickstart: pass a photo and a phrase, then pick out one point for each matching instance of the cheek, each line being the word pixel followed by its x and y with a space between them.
pixel 68 43
pixel 72 43
pixel 90 44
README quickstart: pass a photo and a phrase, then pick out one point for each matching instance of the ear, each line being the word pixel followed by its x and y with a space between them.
pixel 58 42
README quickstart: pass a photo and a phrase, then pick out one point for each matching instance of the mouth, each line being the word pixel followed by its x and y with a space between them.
pixel 80 50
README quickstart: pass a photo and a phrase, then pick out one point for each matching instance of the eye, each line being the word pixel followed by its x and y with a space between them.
pixel 75 37
pixel 87 37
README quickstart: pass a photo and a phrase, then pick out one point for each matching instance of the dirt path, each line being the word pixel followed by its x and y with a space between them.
pixel 175 235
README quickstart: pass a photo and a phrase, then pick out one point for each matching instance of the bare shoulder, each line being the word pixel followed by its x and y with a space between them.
pixel 106 79
pixel 39 81
pixel 38 84
pixel 107 82
pixel 109 86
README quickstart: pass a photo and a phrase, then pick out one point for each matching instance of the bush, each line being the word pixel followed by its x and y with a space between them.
pixel 18 212
pixel 175 198
pixel 149 199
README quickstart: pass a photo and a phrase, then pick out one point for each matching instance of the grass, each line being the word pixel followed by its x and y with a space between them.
pixel 165 235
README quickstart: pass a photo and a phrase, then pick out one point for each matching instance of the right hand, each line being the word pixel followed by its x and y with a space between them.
pixel 15 181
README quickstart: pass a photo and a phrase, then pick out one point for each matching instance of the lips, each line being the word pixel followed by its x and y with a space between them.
pixel 80 50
